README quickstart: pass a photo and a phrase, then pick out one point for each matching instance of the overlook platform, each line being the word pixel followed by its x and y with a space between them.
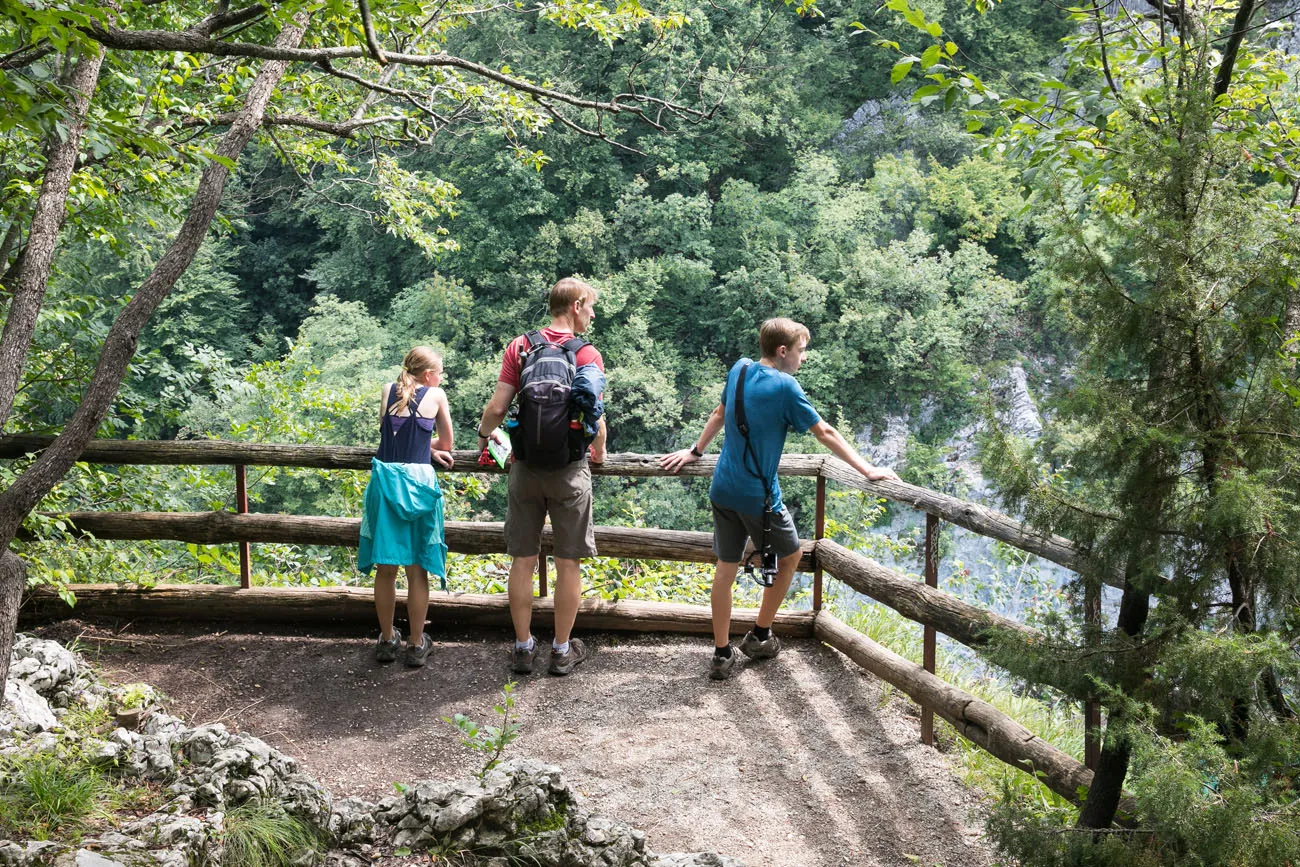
pixel 800 761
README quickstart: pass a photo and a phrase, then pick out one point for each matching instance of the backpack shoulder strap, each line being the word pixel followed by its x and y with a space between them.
pixel 738 408
pixel 535 339
pixel 742 425
pixel 572 347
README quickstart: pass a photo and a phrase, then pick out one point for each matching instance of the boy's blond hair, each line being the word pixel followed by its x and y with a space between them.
pixel 778 332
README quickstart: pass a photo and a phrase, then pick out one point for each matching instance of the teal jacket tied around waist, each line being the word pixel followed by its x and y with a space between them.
pixel 402 520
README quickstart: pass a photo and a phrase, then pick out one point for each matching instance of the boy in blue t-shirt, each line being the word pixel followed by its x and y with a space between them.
pixel 745 482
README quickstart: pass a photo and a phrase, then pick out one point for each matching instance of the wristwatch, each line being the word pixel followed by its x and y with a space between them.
pixel 695 450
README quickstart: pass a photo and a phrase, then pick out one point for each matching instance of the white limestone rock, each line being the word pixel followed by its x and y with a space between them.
pixel 25 710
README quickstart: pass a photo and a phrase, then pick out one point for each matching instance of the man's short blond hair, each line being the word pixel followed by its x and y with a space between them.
pixel 775 333
pixel 568 290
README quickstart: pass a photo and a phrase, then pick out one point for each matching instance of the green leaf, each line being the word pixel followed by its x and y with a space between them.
pixel 931 56
pixel 900 71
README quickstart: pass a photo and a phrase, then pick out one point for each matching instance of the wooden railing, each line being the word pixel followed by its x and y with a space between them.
pixel 925 603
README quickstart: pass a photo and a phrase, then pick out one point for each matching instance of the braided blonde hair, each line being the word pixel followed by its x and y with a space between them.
pixel 416 363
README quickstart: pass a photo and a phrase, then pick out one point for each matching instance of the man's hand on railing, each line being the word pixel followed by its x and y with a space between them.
pixel 678 459
pixel 882 474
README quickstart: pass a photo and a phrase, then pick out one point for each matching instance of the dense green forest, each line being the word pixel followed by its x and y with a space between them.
pixel 937 191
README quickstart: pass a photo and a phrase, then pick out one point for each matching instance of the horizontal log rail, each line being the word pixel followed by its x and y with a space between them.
pixel 222 452
pixel 969 624
pixel 974 719
pixel 356 605
pixel 973 517
pixel 463 537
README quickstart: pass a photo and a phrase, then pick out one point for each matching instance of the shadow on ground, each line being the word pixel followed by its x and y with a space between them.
pixel 794 762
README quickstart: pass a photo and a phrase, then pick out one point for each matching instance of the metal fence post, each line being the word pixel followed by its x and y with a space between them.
pixel 241 507
pixel 928 654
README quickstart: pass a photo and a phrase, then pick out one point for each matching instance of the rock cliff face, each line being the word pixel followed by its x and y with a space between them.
pixel 1016 409
pixel 969 557
pixel 520 812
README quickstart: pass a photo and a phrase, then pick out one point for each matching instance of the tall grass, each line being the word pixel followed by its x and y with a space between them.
pixel 1048 715
pixel 263 834
pixel 48 794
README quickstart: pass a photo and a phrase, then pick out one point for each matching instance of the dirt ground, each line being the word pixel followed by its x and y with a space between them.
pixel 799 761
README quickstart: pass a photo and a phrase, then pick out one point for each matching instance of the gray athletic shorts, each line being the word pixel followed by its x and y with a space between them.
pixel 732 528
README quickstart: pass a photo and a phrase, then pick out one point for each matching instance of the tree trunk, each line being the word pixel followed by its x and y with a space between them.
pixel 13 581
pixel 1153 482
pixel 10 242
pixel 47 220
pixel 1112 766
pixel 119 346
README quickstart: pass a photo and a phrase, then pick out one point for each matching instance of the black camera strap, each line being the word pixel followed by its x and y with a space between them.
pixel 742 424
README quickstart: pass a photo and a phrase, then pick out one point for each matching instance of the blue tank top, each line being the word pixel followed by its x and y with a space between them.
pixel 404 439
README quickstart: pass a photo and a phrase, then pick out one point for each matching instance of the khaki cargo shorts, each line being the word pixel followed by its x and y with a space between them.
pixel 566 495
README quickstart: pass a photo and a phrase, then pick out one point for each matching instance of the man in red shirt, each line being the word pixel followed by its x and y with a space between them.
pixel 564 493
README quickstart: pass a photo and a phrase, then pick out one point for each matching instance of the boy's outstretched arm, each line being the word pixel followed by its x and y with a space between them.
pixel 828 436
pixel 680 458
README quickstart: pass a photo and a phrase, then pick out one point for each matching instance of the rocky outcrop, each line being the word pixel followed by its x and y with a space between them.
pixel 520 812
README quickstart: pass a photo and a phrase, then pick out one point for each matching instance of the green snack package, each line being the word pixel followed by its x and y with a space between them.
pixel 499 450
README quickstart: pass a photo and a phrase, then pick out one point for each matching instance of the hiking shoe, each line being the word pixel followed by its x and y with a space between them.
pixel 415 656
pixel 755 649
pixel 563 663
pixel 522 661
pixel 720 667
pixel 386 651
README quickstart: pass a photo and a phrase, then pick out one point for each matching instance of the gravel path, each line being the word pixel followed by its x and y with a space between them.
pixel 799 761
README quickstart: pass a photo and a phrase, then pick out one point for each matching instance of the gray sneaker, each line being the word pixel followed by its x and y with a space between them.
pixel 415 656
pixel 720 667
pixel 563 663
pixel 522 661
pixel 755 649
pixel 386 651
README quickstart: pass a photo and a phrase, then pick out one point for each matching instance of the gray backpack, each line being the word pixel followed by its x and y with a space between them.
pixel 544 436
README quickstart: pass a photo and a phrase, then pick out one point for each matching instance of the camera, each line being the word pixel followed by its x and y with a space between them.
pixel 765 575
pixel 767 571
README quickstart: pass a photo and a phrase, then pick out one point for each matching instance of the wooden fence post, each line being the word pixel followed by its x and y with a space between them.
pixel 818 532
pixel 928 654
pixel 241 507
pixel 541 573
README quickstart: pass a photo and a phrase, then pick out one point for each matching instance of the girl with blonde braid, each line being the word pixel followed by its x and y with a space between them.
pixel 401 522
